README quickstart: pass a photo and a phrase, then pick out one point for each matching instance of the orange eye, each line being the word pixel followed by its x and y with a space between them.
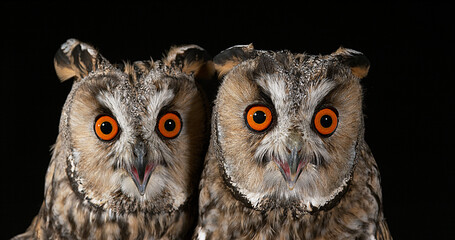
pixel 326 121
pixel 258 118
pixel 106 127
pixel 169 125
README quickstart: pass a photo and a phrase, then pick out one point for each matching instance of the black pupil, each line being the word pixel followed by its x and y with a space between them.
pixel 106 127
pixel 259 117
pixel 326 121
pixel 169 125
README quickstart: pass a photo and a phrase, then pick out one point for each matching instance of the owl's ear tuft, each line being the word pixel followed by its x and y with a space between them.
pixel 191 59
pixel 75 59
pixel 359 64
pixel 194 60
pixel 231 57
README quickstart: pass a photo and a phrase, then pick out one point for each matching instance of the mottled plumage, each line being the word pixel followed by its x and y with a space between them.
pixel 131 142
pixel 287 157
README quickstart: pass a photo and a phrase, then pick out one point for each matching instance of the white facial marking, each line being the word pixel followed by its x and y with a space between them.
pixel 182 50
pixel 66 47
pixel 89 49
pixel 201 234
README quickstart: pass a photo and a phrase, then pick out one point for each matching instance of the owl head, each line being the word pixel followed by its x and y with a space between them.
pixel 286 126
pixel 132 136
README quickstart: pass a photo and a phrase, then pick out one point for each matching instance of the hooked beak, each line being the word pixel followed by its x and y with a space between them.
pixel 141 168
pixel 292 166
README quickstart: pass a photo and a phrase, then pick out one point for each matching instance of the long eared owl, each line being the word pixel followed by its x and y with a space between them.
pixel 129 152
pixel 287 156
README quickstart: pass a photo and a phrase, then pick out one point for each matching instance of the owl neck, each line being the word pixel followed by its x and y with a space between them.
pixel 66 215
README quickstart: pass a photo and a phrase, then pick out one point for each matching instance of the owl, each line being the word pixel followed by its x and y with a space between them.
pixel 131 143
pixel 287 156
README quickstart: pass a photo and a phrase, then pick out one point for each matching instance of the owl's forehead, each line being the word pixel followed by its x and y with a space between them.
pixel 134 86
pixel 131 90
pixel 138 79
pixel 293 78
pixel 304 69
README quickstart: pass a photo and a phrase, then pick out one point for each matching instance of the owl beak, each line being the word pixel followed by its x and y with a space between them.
pixel 141 169
pixel 291 168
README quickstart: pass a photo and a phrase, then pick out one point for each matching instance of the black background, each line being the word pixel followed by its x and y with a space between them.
pixel 409 97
